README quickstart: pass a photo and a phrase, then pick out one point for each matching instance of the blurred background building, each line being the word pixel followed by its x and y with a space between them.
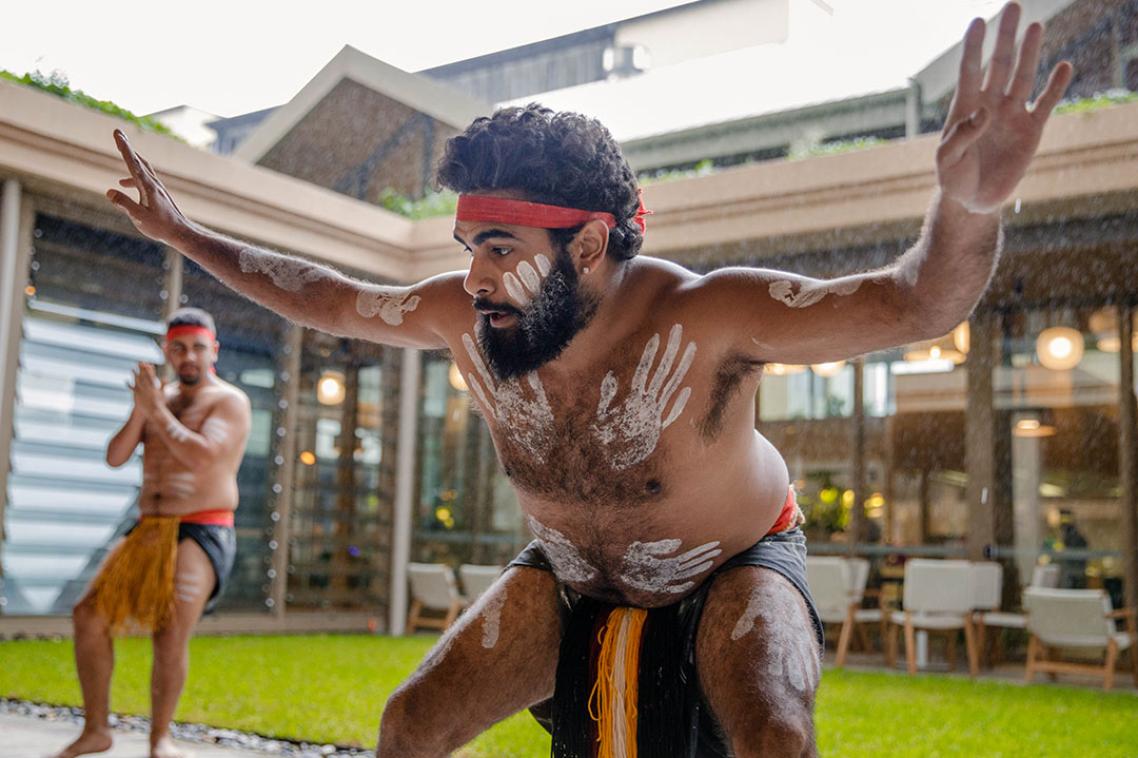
pixel 1014 436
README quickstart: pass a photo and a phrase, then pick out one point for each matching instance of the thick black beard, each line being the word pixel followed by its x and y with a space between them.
pixel 191 382
pixel 544 328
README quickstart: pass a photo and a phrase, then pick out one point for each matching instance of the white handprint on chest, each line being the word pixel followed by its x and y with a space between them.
pixel 632 429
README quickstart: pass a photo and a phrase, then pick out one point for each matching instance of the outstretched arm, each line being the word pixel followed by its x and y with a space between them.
pixel 989 139
pixel 303 292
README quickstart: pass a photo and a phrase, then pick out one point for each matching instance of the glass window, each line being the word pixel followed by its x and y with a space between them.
pixel 93 310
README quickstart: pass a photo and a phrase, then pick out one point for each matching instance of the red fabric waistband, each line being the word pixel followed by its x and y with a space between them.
pixel 216 517
pixel 788 516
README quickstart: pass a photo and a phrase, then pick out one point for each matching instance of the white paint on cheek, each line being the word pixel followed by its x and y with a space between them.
pixel 529 276
pixel 543 265
pixel 567 562
pixel 810 293
pixel 389 305
pixel 514 289
pixel 651 567
pixel 288 274
pixel 634 427
pixel 492 619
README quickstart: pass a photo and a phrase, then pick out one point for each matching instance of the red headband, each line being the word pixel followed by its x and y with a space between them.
pixel 537 215
pixel 181 330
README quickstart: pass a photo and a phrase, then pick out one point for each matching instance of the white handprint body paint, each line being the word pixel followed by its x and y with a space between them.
pixel 523 284
pixel 389 304
pixel 526 420
pixel 215 430
pixel 809 294
pixel 652 567
pixel 567 562
pixel 634 427
pixel 791 654
pixel 189 586
pixel 182 485
pixel 492 619
pixel 177 432
pixel 288 274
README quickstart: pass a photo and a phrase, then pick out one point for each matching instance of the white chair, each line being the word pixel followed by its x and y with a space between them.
pixel 829 583
pixel 859 578
pixel 433 588
pixel 938 597
pixel 988 585
pixel 1077 619
pixel 477 579
pixel 1045 575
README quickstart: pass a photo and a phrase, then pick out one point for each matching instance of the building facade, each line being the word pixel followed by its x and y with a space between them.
pixel 1012 437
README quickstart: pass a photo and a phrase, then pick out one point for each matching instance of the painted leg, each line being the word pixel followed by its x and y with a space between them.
pixel 193 583
pixel 498 658
pixel 759 663
pixel 95 662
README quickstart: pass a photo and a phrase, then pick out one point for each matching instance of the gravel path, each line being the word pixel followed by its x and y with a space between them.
pixel 35 729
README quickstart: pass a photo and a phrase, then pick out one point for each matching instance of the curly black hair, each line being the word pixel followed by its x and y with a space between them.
pixel 554 158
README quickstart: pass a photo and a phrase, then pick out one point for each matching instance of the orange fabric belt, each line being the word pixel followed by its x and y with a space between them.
pixel 215 517
pixel 788 518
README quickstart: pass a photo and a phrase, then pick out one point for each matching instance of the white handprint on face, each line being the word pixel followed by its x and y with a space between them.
pixel 525 418
pixel 526 283
pixel 567 562
pixel 634 427
pixel 650 566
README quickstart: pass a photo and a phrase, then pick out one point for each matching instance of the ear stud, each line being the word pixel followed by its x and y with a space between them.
pixel 585 270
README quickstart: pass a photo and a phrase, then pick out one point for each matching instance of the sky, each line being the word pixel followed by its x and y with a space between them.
pixel 237 56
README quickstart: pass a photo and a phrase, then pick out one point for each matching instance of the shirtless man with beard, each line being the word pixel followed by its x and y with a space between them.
pixel 663 604
pixel 172 565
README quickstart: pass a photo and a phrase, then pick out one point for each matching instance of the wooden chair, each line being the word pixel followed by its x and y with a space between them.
pixel 477 579
pixel 433 588
pixel 1080 619
pixel 859 578
pixel 938 597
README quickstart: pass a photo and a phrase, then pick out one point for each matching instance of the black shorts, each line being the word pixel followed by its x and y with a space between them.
pixel 783 553
pixel 220 546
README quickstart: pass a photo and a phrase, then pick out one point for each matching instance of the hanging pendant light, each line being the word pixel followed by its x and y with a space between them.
pixel 1060 348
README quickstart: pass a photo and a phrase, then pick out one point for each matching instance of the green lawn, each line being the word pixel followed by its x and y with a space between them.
pixel 332 688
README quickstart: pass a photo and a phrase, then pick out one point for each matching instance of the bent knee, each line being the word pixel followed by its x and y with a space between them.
pixel 412 724
pixel 790 733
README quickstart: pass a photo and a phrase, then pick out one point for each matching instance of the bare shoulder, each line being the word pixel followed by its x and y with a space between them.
pixel 228 398
pixel 658 279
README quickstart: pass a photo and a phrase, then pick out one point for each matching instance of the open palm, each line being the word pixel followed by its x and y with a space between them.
pixel 991 132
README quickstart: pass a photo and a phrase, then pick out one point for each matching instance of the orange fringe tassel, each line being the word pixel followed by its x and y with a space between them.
pixel 612 702
pixel 135 586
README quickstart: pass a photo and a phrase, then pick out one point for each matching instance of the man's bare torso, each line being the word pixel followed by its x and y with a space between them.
pixel 636 462
pixel 171 488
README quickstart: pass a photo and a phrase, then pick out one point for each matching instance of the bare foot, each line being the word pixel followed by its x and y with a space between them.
pixel 90 741
pixel 165 748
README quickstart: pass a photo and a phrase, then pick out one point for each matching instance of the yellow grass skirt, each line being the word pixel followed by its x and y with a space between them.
pixel 135 586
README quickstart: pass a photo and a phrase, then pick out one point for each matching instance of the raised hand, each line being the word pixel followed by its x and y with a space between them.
pixel 155 213
pixel 146 388
pixel 992 132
